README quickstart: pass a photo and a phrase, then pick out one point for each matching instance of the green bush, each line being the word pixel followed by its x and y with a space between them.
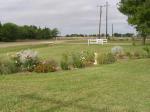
pixel 78 60
pixel 65 65
pixel 137 55
pixel 46 66
pixel 147 50
pixel 108 58
pixel 128 54
pixel 87 58
pixel 8 67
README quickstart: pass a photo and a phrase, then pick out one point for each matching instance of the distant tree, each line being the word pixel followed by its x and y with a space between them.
pixel 117 35
pixel 12 32
pixel 9 32
pixel 138 12
pixel 54 32
pixel 128 35
pixel 45 33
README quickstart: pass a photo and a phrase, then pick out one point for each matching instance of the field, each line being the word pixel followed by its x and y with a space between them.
pixel 119 87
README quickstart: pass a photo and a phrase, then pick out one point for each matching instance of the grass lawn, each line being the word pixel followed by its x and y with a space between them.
pixel 120 87
pixel 55 51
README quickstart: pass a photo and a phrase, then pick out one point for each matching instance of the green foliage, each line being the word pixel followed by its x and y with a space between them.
pixel 147 50
pixel 138 12
pixel 65 65
pixel 9 32
pixel 78 60
pixel 137 55
pixel 87 58
pixel 12 32
pixel 54 32
pixel 46 66
pixel 128 54
pixel 106 58
pixel 8 67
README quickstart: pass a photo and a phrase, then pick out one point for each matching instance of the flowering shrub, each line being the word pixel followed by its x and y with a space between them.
pixel 46 66
pixel 87 58
pixel 26 60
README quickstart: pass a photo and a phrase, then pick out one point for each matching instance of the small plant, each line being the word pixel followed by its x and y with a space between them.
pixel 87 58
pixel 8 67
pixel 108 58
pixel 101 58
pixel 46 66
pixel 26 60
pixel 78 60
pixel 137 55
pixel 147 50
pixel 65 65
pixel 128 54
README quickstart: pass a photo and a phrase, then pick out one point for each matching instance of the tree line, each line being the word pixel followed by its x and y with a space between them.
pixel 12 32
pixel 102 35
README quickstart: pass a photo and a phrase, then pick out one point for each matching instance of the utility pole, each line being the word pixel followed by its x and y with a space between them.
pixel 106 20
pixel 100 20
pixel 112 30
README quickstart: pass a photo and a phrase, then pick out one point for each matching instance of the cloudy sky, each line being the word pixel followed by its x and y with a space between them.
pixel 69 16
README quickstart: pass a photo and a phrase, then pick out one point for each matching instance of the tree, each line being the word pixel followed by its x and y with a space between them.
pixel 12 32
pixel 44 33
pixel 9 32
pixel 54 32
pixel 138 12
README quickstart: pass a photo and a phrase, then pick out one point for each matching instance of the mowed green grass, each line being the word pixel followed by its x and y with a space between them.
pixel 119 87
pixel 55 51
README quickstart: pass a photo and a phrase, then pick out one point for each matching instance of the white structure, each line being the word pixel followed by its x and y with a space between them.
pixel 97 41
pixel 96 56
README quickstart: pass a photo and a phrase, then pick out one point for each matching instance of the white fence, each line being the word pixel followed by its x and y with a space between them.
pixel 97 41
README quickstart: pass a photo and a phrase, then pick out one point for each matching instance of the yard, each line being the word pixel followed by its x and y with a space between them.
pixel 119 87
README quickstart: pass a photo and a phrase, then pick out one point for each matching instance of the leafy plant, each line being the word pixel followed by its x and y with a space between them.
pixel 46 66
pixel 147 50
pixel 88 58
pixel 26 60
pixel 108 58
pixel 78 60
pixel 65 62
pixel 128 54
pixel 137 55
pixel 8 67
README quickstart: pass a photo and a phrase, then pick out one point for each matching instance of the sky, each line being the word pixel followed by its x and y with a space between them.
pixel 69 16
